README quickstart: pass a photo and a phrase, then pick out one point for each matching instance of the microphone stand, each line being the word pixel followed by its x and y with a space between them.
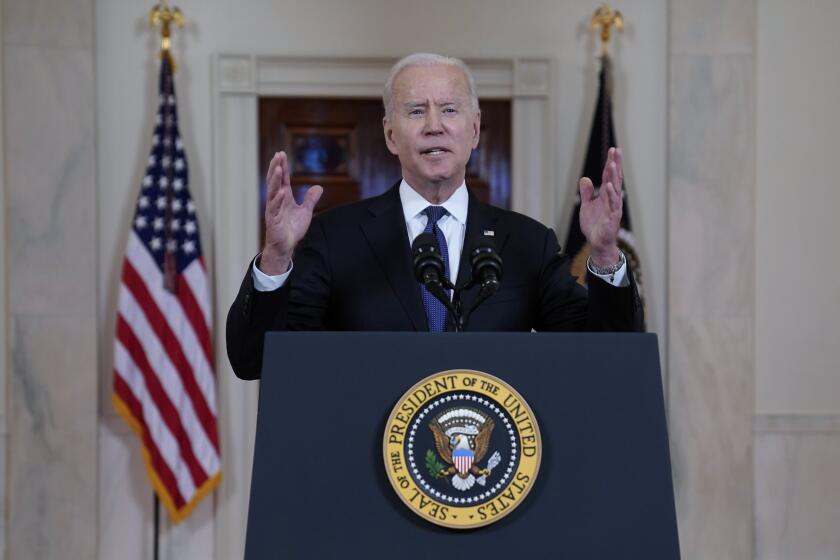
pixel 438 289
pixel 458 315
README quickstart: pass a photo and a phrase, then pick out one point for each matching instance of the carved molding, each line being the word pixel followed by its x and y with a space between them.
pixel 235 74
pixel 355 77
pixel 805 423
pixel 532 77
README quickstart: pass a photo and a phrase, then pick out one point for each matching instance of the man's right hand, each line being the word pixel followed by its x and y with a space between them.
pixel 286 221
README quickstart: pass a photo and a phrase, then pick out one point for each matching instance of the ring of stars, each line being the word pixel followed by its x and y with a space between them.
pixel 486 493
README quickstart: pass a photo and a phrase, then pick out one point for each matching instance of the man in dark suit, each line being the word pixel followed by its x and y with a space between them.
pixel 352 266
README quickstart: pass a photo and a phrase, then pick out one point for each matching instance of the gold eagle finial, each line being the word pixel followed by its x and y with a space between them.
pixel 164 16
pixel 604 19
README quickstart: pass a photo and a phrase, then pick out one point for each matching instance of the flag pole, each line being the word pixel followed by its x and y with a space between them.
pixel 156 537
pixel 164 16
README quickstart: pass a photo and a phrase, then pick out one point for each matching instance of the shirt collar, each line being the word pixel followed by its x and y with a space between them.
pixel 413 204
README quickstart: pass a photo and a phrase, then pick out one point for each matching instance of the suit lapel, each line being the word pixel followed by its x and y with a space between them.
pixel 482 220
pixel 386 232
pixel 387 235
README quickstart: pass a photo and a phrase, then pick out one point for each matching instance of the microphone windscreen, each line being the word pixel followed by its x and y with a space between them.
pixel 424 240
pixel 428 261
pixel 482 242
pixel 485 260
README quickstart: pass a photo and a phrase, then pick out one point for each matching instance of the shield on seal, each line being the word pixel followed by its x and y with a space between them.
pixel 463 460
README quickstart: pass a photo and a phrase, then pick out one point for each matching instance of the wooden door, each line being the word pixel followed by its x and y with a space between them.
pixel 339 144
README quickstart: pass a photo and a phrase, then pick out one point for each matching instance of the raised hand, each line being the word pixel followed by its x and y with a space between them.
pixel 286 221
pixel 600 215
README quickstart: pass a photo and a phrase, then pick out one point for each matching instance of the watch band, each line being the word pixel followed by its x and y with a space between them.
pixel 606 270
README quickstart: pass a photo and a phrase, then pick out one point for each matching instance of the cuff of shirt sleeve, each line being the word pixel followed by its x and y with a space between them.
pixel 618 278
pixel 265 283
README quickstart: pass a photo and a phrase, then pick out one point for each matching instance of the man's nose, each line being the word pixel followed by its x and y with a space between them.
pixel 434 125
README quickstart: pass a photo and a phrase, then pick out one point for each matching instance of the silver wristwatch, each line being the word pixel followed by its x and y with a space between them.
pixel 606 270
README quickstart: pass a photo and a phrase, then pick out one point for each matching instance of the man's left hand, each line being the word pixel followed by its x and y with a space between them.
pixel 600 215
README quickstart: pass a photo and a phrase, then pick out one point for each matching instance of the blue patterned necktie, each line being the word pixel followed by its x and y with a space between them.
pixel 435 311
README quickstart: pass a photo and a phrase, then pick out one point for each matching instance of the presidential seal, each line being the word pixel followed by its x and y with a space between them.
pixel 462 448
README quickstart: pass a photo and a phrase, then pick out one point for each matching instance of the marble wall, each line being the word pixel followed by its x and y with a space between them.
pixel 50 240
pixel 796 212
pixel 711 190
pixel 797 487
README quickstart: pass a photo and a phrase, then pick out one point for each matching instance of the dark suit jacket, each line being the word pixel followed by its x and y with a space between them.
pixel 353 271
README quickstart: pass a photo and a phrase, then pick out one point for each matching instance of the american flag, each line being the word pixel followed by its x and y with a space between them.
pixel 164 385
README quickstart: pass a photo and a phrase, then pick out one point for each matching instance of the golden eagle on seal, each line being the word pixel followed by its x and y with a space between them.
pixel 462 439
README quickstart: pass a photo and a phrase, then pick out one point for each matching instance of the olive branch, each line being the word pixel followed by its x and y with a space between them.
pixel 434 466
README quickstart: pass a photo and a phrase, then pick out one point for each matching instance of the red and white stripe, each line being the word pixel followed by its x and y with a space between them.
pixel 463 463
pixel 163 376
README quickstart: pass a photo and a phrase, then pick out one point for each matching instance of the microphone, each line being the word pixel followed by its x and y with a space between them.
pixel 429 267
pixel 486 272
pixel 486 265
pixel 430 270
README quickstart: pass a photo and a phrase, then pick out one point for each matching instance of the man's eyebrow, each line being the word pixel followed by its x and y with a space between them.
pixel 447 101
pixel 414 103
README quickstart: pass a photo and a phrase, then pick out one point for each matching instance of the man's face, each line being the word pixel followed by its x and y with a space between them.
pixel 432 127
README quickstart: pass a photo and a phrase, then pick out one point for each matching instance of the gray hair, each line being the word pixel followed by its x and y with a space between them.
pixel 426 59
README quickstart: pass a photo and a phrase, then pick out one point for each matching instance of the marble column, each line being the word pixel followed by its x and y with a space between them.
pixel 50 245
pixel 711 278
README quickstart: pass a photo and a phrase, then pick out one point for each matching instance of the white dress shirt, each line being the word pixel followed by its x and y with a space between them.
pixel 453 226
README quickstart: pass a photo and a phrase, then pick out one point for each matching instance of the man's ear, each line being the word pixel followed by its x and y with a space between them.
pixel 388 131
pixel 476 129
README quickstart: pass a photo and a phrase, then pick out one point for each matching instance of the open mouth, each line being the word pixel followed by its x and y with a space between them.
pixel 436 151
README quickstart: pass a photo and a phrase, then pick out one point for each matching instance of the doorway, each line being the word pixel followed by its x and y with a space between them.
pixel 337 143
